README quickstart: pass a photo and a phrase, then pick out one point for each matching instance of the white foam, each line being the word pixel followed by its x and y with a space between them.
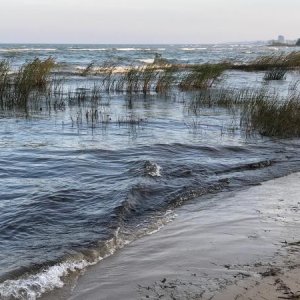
pixel 88 49
pixel 134 49
pixel 192 49
pixel 147 60
pixel 127 49
pixel 26 49
pixel 35 285
pixel 155 170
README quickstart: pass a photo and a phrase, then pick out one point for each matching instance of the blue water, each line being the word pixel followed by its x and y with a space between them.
pixel 73 191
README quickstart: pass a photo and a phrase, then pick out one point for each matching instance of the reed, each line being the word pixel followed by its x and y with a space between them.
pixel 273 117
pixel 32 76
pixel 108 79
pixel 148 76
pixel 130 119
pixel 276 74
pixel 132 80
pixel 4 79
pixel 166 78
pixel 201 76
pixel 228 98
pixel 88 70
pixel 269 62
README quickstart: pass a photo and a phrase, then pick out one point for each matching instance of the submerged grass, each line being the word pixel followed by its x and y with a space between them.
pixel 276 74
pixel 273 117
pixel 32 76
pixel 271 62
pixel 87 70
pixel 201 76
pixel 260 110
pixel 4 79
pixel 166 78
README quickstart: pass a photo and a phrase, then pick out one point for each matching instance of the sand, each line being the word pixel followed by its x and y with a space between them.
pixel 233 245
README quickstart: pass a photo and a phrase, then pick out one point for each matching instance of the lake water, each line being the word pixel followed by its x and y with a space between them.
pixel 73 190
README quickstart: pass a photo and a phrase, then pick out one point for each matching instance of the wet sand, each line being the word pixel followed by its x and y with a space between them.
pixel 234 245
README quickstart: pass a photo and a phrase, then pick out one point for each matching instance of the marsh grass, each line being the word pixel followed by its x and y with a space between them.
pixel 225 98
pixel 276 74
pixel 271 62
pixel 32 76
pixel 148 76
pixel 166 78
pixel 201 76
pixel 132 80
pixel 88 70
pixel 260 111
pixel 4 79
pixel 130 119
pixel 273 117
pixel 108 78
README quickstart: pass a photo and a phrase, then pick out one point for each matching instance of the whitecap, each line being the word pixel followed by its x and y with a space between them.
pixel 152 169
pixel 88 49
pixel 26 49
pixel 193 49
pixel 147 60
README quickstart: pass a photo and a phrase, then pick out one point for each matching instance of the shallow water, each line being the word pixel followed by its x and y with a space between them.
pixel 74 191
pixel 212 244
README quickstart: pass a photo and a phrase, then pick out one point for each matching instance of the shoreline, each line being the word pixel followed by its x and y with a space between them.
pixel 233 245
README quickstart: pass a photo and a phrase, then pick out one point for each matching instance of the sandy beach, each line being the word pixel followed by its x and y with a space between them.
pixel 234 245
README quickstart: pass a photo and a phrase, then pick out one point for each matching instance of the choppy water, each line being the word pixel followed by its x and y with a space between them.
pixel 78 56
pixel 72 193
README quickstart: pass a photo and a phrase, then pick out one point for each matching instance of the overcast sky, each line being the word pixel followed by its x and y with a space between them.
pixel 147 21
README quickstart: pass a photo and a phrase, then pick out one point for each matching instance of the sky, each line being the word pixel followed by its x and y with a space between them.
pixel 147 21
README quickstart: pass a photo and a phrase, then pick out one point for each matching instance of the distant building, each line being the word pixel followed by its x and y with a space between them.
pixel 281 39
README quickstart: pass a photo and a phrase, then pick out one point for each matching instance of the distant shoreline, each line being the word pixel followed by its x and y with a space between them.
pixel 281 45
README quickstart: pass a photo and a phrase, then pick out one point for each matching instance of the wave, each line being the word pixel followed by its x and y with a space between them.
pixel 98 70
pixel 26 49
pixel 147 60
pixel 134 49
pixel 89 49
pixel 116 49
pixel 193 49
pixel 140 49
pixel 33 286
pixel 152 169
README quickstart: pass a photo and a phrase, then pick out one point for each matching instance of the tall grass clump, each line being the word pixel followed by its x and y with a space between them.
pixel 132 80
pixel 201 76
pixel 273 117
pixel 148 76
pixel 293 59
pixel 276 74
pixel 108 79
pixel 166 78
pixel 88 70
pixel 4 79
pixel 272 62
pixel 226 98
pixel 32 76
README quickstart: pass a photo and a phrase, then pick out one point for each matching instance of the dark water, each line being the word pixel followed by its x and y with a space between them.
pixel 72 192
